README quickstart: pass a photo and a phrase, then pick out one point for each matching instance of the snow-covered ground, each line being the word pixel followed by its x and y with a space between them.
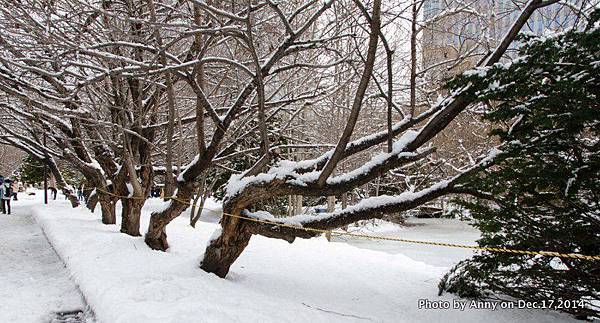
pixel 435 230
pixel 34 283
pixel 273 281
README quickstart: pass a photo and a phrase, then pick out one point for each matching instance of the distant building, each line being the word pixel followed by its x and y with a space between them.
pixel 452 31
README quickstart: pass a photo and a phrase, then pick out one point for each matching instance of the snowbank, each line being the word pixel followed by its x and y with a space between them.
pixel 273 281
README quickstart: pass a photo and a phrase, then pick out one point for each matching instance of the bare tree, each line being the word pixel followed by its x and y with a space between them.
pixel 313 177
pixel 128 89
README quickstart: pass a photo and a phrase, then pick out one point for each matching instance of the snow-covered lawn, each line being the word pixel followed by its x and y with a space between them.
pixel 273 281
pixel 435 230
pixel 34 282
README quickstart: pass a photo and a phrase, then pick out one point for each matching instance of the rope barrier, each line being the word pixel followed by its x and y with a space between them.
pixel 374 237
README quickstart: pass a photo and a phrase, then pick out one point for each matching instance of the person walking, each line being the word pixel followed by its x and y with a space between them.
pixel 15 188
pixel 52 186
pixel 6 196
pixel 80 192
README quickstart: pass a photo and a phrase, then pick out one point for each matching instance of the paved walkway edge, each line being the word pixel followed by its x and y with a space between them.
pixel 88 312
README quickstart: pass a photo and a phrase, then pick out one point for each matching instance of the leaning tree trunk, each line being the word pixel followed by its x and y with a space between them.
pixel 222 251
pixel 61 183
pixel 156 237
pixel 72 198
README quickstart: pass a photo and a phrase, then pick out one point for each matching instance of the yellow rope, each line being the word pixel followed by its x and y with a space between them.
pixel 368 236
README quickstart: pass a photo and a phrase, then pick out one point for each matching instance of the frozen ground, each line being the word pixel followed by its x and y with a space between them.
pixel 436 230
pixel 273 281
pixel 34 283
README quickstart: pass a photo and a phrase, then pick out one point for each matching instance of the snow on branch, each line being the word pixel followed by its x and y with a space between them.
pixel 200 163
pixel 369 208
pixel 300 173
pixel 293 182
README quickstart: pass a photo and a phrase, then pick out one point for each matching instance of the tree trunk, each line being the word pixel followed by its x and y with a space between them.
pixel 344 206
pixel 108 209
pixel 156 237
pixel 413 59
pixel 131 214
pixel 92 201
pixel 222 252
pixel 298 206
pixel 196 210
pixel 291 207
pixel 330 209
pixel 72 198
pixel 61 183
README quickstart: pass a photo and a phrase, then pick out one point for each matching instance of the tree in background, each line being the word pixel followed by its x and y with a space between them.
pixel 543 193
pixel 32 170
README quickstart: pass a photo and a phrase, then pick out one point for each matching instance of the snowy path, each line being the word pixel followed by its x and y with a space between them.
pixel 34 283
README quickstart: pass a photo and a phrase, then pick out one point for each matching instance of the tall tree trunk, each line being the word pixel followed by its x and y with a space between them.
pixel 413 59
pixel 169 179
pixel 223 251
pixel 291 205
pixel 298 209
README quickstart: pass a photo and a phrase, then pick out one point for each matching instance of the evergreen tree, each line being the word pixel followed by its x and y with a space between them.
pixel 544 191
pixel 32 170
